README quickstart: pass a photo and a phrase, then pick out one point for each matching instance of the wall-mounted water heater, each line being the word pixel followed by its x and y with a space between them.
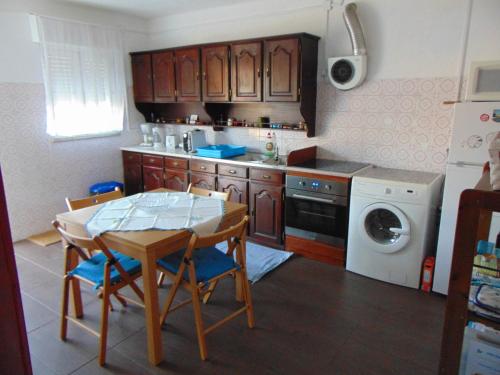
pixel 348 72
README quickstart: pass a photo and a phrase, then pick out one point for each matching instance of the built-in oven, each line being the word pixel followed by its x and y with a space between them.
pixel 316 210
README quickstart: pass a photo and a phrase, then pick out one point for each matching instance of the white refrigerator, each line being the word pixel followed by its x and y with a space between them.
pixel 474 126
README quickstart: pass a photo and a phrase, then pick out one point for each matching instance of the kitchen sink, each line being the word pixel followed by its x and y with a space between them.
pixel 259 159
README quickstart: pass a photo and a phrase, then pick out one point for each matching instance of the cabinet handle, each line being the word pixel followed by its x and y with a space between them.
pixel 205 76
pixel 258 73
pixel 232 171
pixel 266 176
pixel 197 76
pixel 268 72
pixel 175 164
pixel 203 167
pixel 151 160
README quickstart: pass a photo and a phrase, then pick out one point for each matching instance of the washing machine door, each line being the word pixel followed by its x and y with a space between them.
pixel 384 228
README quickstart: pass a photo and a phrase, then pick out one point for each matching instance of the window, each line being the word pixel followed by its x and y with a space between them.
pixel 83 69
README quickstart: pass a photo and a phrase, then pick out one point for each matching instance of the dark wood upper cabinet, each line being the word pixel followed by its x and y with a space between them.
pixel 188 74
pixel 141 75
pixel 164 77
pixel 215 66
pixel 282 70
pixel 246 68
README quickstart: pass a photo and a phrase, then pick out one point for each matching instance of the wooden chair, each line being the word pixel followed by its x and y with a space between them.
pixel 209 193
pixel 108 272
pixel 201 264
pixel 76 204
pixel 204 193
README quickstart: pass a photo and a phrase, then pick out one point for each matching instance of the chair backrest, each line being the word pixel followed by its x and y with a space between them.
pixel 76 204
pixel 224 196
pixel 234 234
pixel 78 244
pixel 81 243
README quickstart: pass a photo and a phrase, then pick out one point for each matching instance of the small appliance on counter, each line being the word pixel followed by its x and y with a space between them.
pixel 170 142
pixel 193 139
pixel 158 136
pixel 147 133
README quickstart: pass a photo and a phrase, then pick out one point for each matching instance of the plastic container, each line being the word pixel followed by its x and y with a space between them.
pixel 104 187
pixel 221 151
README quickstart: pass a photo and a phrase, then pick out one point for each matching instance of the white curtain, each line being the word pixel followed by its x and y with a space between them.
pixel 84 75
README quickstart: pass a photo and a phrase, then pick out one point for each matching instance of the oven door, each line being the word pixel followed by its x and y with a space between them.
pixel 316 216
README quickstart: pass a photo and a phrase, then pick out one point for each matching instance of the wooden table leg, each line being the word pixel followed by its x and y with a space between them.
pixel 155 353
pixel 239 287
pixel 75 287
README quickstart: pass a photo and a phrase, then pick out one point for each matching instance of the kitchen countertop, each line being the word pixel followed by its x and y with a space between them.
pixel 250 159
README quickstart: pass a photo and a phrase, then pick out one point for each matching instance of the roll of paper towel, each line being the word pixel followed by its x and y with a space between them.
pixel 495 162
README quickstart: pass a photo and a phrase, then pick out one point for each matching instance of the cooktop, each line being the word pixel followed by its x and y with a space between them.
pixel 338 166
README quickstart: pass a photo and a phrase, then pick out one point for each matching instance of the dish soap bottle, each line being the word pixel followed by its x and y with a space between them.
pixel 270 144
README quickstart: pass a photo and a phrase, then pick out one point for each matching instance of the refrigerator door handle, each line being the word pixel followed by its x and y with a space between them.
pixel 465 164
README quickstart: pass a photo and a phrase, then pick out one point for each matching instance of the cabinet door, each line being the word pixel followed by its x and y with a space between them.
pixel 215 66
pixel 163 77
pixel 237 187
pixel 203 181
pixel 266 206
pixel 176 180
pixel 153 178
pixel 246 66
pixel 132 175
pixel 187 74
pixel 142 78
pixel 282 70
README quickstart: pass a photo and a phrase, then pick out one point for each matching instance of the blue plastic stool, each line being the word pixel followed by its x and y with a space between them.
pixel 104 187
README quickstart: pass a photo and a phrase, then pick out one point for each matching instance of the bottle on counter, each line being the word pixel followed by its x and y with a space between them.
pixel 270 147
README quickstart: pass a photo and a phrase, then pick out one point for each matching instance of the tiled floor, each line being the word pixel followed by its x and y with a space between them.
pixel 311 318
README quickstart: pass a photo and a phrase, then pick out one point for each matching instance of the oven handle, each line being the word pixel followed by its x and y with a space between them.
pixel 308 198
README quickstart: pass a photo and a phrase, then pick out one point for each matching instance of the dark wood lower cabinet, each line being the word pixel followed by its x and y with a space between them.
pixel 176 180
pixel 203 181
pixel 266 209
pixel 153 178
pixel 132 176
pixel 237 187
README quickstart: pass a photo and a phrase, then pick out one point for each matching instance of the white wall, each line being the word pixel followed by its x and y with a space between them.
pixel 38 173
pixel 395 119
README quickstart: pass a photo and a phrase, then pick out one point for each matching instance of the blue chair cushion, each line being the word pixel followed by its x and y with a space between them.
pixel 93 269
pixel 208 263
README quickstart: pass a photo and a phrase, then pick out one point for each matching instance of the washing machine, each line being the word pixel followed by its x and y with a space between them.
pixel 392 220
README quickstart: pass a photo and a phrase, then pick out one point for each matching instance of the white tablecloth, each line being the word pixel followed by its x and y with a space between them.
pixel 160 211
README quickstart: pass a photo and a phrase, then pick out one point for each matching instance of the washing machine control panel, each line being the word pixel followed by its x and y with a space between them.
pixel 404 193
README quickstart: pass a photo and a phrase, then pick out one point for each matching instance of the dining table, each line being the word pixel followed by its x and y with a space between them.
pixel 147 247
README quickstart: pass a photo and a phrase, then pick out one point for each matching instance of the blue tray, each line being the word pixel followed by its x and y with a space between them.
pixel 221 151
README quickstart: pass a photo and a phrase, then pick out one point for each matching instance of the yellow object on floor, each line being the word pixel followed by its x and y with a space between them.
pixel 46 238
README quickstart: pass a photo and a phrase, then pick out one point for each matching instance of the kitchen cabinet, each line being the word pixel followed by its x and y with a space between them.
pixel 266 209
pixel 152 177
pixel 238 188
pixel 282 70
pixel 141 75
pixel 188 74
pixel 176 180
pixel 203 181
pixel 132 172
pixel 246 67
pixel 163 77
pixel 215 67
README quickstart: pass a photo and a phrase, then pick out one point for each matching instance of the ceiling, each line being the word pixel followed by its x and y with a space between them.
pixel 155 8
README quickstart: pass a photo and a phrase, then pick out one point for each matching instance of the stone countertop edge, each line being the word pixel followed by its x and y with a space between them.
pixel 182 154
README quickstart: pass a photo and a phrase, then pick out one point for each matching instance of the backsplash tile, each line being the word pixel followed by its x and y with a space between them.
pixel 397 123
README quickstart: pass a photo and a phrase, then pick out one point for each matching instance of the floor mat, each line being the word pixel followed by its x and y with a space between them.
pixel 45 238
pixel 260 259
